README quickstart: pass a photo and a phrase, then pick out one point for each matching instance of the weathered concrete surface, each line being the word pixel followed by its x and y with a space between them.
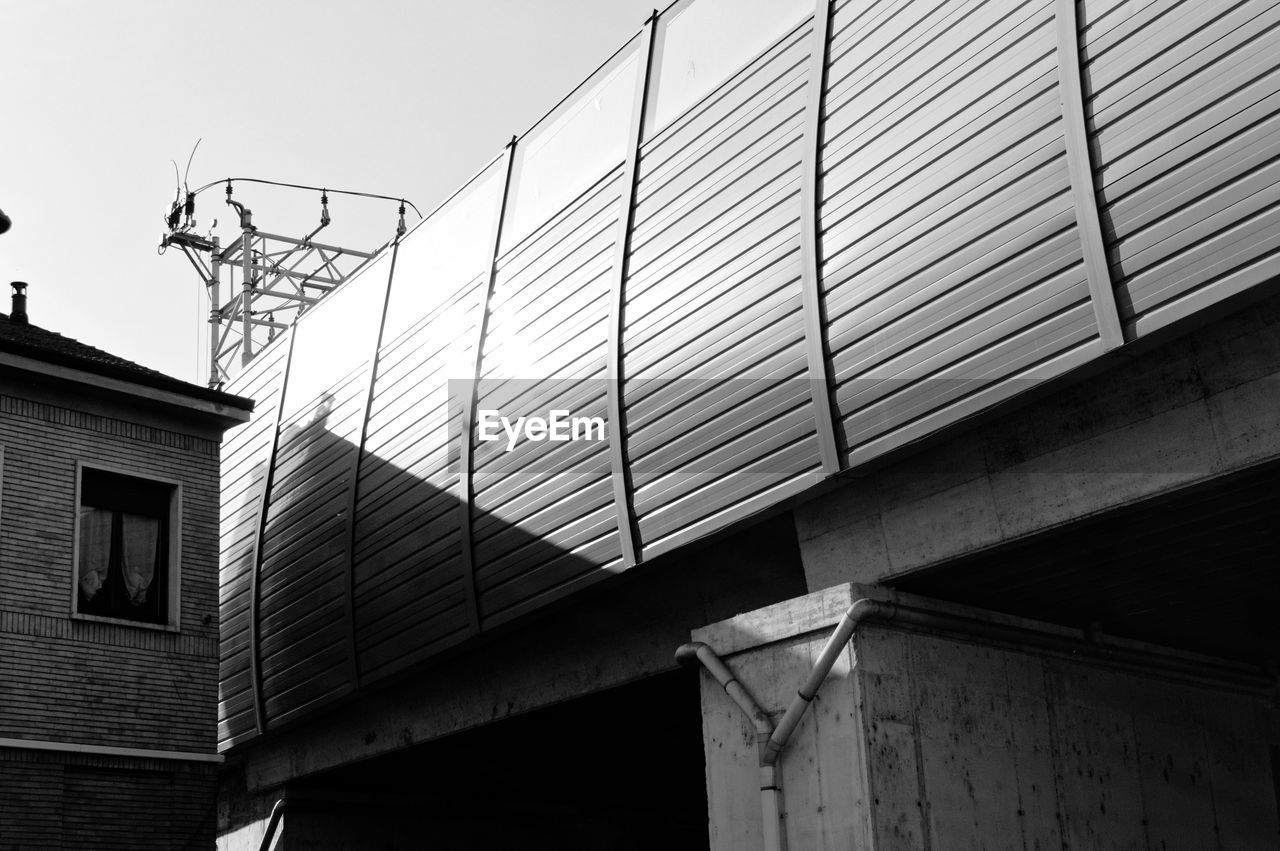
pixel 624 632
pixel 1192 409
pixel 242 816
pixel 945 740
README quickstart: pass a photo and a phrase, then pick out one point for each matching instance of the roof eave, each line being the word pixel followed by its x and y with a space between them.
pixel 214 406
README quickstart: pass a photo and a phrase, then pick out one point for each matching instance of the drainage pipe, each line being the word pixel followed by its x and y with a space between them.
pixel 770 739
pixel 858 612
pixel 696 652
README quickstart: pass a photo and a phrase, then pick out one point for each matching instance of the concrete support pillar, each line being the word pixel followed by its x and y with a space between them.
pixel 1002 733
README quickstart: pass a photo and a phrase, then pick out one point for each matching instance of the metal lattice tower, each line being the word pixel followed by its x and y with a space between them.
pixel 261 282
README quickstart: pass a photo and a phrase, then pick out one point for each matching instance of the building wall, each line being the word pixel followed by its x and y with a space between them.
pixel 68 684
pixel 925 738
pixel 69 801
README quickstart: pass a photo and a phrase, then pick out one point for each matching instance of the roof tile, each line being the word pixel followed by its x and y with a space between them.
pixel 43 344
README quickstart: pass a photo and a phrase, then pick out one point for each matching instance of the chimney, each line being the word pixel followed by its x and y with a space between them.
pixel 19 312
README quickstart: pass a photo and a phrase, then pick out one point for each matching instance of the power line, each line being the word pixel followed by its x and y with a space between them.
pixel 311 188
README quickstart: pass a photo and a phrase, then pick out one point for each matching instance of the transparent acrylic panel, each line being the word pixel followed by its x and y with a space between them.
pixel 580 142
pixel 449 249
pixel 705 41
pixel 336 335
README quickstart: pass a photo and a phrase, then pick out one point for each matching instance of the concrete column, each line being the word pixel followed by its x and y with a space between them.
pixel 959 738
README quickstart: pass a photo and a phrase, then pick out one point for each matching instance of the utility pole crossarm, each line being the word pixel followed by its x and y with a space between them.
pixel 272 279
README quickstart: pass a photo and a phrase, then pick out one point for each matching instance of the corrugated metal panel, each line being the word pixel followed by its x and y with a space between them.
pixel 951 277
pixel 713 304
pixel 246 452
pixel 1183 101
pixel 409 595
pixel 552 523
pixel 305 547
pixel 953 269
pixel 305 631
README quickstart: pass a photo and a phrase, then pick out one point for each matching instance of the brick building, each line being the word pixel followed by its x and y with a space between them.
pixel 108 596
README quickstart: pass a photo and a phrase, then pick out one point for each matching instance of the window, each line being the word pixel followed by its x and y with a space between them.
pixel 126 548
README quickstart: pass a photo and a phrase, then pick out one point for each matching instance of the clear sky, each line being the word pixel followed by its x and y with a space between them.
pixel 385 96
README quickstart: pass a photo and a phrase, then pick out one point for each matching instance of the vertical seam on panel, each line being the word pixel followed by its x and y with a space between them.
pixel 353 473
pixel 1080 169
pixel 810 262
pixel 621 250
pixel 466 458
pixel 255 663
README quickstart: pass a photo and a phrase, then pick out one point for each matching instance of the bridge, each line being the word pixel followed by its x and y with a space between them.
pixel 971 305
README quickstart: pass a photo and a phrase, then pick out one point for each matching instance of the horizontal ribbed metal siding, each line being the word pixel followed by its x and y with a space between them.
pixel 538 535
pixel 410 600
pixel 713 304
pixel 952 265
pixel 951 277
pixel 246 452
pixel 1183 99
pixel 303 586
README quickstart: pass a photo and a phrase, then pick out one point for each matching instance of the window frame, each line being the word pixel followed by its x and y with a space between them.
pixel 173 595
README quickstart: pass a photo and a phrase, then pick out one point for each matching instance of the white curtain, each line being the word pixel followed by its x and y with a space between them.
pixel 140 543
pixel 95 549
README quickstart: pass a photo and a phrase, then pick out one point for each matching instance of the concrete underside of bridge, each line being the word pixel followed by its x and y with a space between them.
pixel 1138 503
pixel 1141 501
pixel 619 769
pixel 508 736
